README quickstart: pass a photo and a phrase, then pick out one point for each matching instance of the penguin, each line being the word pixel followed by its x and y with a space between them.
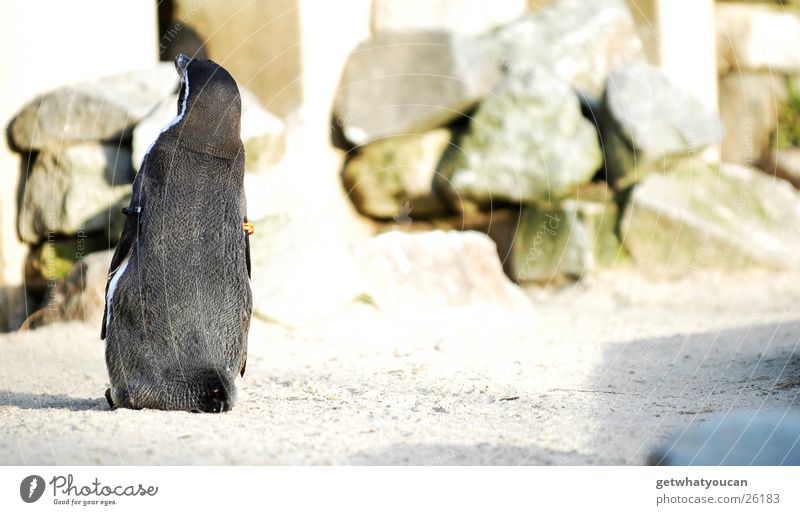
pixel 178 299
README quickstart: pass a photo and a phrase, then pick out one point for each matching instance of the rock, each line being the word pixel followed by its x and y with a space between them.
pixel 567 240
pixel 104 109
pixel 436 269
pixel 77 188
pixel 749 104
pixel 263 134
pixel 13 302
pixel 784 163
pixel 501 225
pixel 749 438
pixel 80 295
pixel 578 41
pixel 392 178
pixel 647 121
pixel 527 143
pixel 301 269
pixel 757 38
pixel 408 83
pixel 469 16
pixel 702 216
pixel 52 260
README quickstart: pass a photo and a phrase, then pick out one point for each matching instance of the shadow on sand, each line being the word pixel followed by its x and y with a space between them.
pixel 26 400
pixel 669 385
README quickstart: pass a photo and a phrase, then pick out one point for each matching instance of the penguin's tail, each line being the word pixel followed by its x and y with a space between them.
pixel 204 390
pixel 216 391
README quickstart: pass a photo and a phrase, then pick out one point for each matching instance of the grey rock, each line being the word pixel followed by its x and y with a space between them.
pixel 393 178
pixel 400 83
pixel 101 110
pixel 13 302
pixel 749 104
pixel 526 143
pixel 646 121
pixel 576 40
pixel 702 216
pixel 750 438
pixel 263 134
pixel 436 269
pixel 76 188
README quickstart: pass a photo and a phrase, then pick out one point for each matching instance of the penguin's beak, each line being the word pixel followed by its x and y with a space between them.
pixel 181 62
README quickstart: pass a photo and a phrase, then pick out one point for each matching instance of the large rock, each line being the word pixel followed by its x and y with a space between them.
pixel 436 269
pixel 393 177
pixel 526 143
pixel 52 260
pixel 743 438
pixel 646 121
pixel 80 295
pixel 576 40
pixel 758 38
pixel 263 134
pixel 469 16
pixel 75 188
pixel 567 240
pixel 749 105
pixel 702 216
pixel 401 83
pixel 105 109
pixel 302 271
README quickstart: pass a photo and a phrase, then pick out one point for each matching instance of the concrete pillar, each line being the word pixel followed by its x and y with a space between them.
pixel 330 31
pixel 535 5
pixel 45 44
pixel 468 16
pixel 679 36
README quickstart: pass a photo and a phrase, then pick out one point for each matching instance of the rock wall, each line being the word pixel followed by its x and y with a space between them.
pixel 105 39
pixel 575 135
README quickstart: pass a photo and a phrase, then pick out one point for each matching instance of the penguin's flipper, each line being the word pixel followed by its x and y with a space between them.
pixel 121 254
pixel 247 250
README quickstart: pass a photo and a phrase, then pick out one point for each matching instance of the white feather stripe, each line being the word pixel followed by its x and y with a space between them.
pixel 112 286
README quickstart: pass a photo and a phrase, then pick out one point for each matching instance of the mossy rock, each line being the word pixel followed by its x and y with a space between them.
pixel 392 178
pixel 569 239
pixel 527 143
pixel 700 216
pixel 52 260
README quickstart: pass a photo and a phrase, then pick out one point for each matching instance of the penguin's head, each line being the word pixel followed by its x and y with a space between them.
pixel 209 107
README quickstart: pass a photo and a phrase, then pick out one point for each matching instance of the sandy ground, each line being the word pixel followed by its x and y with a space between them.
pixel 602 372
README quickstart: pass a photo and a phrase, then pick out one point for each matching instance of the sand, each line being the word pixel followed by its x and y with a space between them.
pixel 600 374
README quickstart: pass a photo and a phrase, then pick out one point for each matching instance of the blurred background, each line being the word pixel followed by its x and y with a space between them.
pixel 575 135
pixel 411 155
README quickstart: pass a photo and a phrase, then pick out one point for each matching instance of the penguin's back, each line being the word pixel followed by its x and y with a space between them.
pixel 189 271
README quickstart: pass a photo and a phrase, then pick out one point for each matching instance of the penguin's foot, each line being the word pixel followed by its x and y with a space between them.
pixel 108 398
